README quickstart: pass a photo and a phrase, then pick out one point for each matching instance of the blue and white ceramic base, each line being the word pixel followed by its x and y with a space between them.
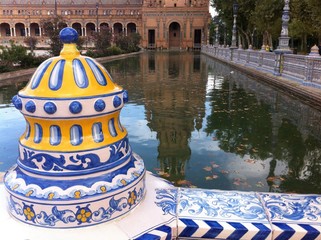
pixel 167 212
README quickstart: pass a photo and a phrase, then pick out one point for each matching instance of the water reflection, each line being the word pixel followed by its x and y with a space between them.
pixel 250 118
pixel 200 123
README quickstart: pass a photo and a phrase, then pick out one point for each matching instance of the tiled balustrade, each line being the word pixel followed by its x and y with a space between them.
pixel 305 69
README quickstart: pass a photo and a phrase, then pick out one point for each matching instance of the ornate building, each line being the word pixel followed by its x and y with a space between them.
pixel 161 23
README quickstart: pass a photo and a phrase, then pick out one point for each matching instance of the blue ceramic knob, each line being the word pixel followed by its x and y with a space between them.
pixel 99 105
pixel 75 107
pixel 17 102
pixel 50 107
pixel 117 101
pixel 30 106
pixel 68 35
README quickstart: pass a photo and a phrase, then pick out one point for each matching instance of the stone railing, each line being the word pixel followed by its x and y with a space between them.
pixel 305 69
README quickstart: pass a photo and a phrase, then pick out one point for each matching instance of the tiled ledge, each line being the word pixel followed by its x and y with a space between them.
pixel 180 213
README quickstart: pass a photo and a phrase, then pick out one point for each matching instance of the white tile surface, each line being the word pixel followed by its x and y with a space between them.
pixel 147 215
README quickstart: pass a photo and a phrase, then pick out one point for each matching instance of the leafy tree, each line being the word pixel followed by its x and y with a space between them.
pixel 12 56
pixel 267 18
pixel 300 26
pixel 315 8
pixel 15 57
pixel 102 39
pixel 52 28
pixel 128 43
pixel 31 42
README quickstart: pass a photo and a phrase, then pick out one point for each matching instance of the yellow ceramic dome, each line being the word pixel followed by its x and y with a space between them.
pixel 74 156
pixel 70 75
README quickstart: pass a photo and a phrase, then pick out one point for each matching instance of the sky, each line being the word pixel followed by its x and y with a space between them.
pixel 212 11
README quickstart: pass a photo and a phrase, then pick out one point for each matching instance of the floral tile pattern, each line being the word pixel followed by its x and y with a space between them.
pixel 220 205
pixel 293 208
pixel 169 213
pixel 214 214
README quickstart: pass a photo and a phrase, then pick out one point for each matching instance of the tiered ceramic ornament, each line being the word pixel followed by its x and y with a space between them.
pixel 75 166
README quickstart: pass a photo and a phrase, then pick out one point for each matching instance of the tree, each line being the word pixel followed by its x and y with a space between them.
pixel 11 56
pixel 264 18
pixel 52 28
pixel 102 39
pixel 128 43
pixel 31 42
pixel 16 56
pixel 267 19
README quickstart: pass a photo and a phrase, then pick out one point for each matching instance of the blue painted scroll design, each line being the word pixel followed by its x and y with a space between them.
pixel 48 162
pixel 82 215
pixel 36 188
pixel 220 204
pixel 167 200
pixel 286 207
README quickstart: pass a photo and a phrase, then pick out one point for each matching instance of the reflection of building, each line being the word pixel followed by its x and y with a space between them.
pixel 163 23
pixel 175 105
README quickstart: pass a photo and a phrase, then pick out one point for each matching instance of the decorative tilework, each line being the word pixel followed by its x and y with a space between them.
pixel 283 231
pixel 167 200
pixel 293 208
pixel 293 216
pixel 163 232
pixel 188 228
pixel 222 205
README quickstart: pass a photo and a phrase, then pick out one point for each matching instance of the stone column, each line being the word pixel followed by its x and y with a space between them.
pixel 311 61
pixel 283 47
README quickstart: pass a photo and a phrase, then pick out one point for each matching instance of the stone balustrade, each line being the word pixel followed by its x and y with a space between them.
pixel 305 69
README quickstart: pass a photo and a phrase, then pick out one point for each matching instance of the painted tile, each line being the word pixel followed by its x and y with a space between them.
pixel 205 229
pixel 213 214
pixel 17 230
pixel 164 232
pixel 293 208
pixel 155 217
pixel 293 216
pixel 220 205
pixel 285 231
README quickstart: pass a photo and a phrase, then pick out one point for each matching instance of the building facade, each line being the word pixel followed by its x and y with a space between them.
pixel 161 23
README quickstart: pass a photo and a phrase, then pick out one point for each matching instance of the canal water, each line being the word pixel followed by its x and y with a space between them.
pixel 200 123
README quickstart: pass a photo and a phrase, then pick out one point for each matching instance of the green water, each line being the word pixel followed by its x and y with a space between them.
pixel 199 123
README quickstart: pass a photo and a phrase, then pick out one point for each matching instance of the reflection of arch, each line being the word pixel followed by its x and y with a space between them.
pixel 34 29
pixel 77 27
pixel 131 28
pixel 4 29
pixel 118 28
pixel 20 30
pixel 174 37
pixel 90 29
